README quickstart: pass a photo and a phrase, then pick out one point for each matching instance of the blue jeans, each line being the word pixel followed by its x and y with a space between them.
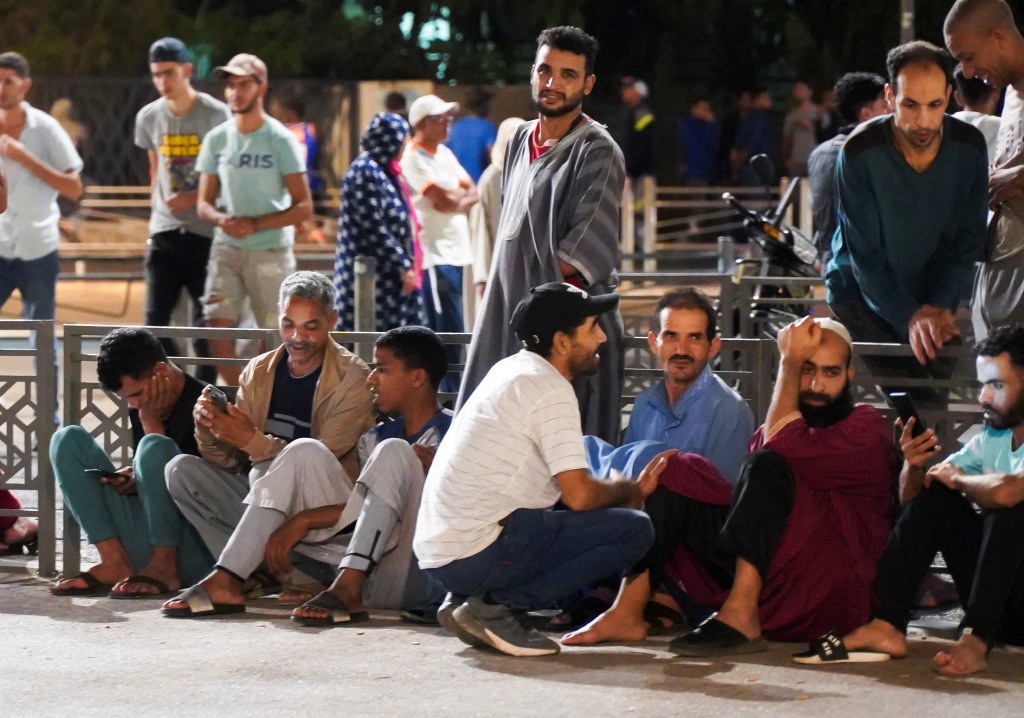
pixel 36 281
pixel 449 319
pixel 544 555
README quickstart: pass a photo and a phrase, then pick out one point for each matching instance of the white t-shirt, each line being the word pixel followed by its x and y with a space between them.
pixel 444 235
pixel 518 430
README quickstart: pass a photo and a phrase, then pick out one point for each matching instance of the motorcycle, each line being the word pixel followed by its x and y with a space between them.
pixel 785 252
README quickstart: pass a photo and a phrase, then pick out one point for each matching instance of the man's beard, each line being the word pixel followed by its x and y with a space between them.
pixel 833 411
pixel 999 420
pixel 246 109
pixel 570 105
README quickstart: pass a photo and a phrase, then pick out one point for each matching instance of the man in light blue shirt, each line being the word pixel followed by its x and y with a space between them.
pixel 253 189
pixel 691 409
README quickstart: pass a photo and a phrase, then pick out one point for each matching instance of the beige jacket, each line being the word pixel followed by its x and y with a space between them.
pixel 342 411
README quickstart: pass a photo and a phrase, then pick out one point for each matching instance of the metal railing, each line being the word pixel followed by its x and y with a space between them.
pixel 28 406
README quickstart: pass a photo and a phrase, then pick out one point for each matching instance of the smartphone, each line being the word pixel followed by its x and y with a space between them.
pixel 905 407
pixel 219 398
pixel 103 474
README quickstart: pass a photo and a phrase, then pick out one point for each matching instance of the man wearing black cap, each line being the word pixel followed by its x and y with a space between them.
pixel 486 529
pixel 253 188
pixel 171 130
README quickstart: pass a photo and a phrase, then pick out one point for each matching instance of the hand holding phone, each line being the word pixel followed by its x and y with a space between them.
pixel 102 474
pixel 219 398
pixel 905 407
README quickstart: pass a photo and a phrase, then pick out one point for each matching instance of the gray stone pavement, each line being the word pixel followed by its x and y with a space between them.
pixel 86 656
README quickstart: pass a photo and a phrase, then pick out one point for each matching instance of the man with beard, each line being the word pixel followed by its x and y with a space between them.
pixel 563 182
pixel 286 445
pixel 912 195
pixel 793 549
pixel 984 550
pixel 253 189
pixel 488 530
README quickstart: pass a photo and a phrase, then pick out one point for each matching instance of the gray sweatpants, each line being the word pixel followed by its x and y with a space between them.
pixel 380 511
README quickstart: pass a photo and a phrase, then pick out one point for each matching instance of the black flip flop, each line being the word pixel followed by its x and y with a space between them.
pixel 339 615
pixel 93 587
pixel 160 586
pixel 831 649
pixel 714 638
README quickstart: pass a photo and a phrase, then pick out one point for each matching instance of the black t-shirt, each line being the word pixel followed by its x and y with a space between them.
pixel 180 427
pixel 290 415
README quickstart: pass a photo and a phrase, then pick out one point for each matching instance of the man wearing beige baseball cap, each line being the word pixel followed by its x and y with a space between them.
pixel 253 188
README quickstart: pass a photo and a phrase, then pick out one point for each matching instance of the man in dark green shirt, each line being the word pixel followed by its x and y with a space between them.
pixel 912 197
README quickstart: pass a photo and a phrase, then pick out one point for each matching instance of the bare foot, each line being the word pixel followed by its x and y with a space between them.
pixel 172 582
pixel 353 603
pixel 294 594
pixel 612 625
pixel 106 573
pixel 877 635
pixel 221 588
pixel 967 656
pixel 22 531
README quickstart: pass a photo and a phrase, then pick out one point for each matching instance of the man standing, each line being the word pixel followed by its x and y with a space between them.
pixel 639 131
pixel 39 163
pixel 171 130
pixel 486 529
pixel 859 96
pixel 252 168
pixel 984 550
pixel 798 130
pixel 983 36
pixel 299 412
pixel 912 193
pixel 979 100
pixel 794 550
pixel 563 183
pixel 146 548
pixel 442 195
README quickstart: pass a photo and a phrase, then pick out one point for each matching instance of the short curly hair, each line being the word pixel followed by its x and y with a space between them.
pixel 128 351
pixel 571 39
pixel 417 348
pixel 1008 339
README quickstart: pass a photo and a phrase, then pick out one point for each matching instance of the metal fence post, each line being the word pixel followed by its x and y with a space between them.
pixel 627 225
pixel 46 410
pixel 650 235
pixel 72 415
pixel 365 302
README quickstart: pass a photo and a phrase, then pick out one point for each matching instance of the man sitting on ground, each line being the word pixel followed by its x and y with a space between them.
pixel 486 528
pixel 146 548
pixel 377 523
pixel 299 411
pixel 796 549
pixel 692 409
pixel 983 551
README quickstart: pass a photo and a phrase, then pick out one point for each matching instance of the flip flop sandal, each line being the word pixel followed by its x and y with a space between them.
pixel 139 579
pixel 714 638
pixel 261 584
pixel 199 605
pixel 662 620
pixel 339 614
pixel 422 616
pixel 93 587
pixel 579 614
pixel 831 649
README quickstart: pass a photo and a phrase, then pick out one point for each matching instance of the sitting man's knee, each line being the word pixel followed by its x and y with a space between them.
pixel 69 438
pixel 182 474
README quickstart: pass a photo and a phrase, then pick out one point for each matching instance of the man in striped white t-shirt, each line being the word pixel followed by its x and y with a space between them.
pixel 487 530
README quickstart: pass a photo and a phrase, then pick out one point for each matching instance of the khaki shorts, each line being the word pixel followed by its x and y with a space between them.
pixel 235 275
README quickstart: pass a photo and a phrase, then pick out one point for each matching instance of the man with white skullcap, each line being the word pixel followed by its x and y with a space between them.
pixel 791 550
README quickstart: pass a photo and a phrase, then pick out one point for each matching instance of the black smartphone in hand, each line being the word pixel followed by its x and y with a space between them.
pixel 103 474
pixel 219 398
pixel 905 408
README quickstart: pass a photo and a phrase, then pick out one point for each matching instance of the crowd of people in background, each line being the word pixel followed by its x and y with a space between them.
pixel 529 496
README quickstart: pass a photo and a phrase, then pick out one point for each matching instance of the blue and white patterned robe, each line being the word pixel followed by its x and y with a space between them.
pixel 375 221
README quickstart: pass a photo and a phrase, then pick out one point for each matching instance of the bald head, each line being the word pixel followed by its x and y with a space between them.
pixel 980 16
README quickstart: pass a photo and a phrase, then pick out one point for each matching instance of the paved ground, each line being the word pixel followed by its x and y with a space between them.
pixel 89 657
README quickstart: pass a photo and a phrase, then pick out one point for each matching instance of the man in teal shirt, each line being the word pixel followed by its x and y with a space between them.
pixel 984 550
pixel 253 188
pixel 912 197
